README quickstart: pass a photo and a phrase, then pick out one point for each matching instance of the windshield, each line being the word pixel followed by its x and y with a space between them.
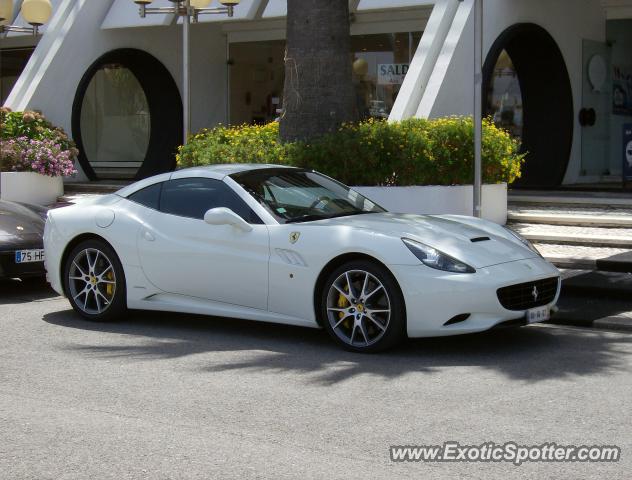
pixel 293 196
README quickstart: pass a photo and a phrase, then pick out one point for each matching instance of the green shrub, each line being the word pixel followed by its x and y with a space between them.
pixel 373 152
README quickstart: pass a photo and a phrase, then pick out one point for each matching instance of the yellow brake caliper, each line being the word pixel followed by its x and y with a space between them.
pixel 109 289
pixel 343 303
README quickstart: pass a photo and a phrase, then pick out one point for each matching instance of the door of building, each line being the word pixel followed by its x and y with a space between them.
pixel 596 110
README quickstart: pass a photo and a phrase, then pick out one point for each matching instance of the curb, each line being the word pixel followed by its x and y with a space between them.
pixel 619 324
pixel 621 263
pixel 584 200
pixel 605 284
pixel 614 323
pixel 603 221
pixel 573 263
pixel 596 300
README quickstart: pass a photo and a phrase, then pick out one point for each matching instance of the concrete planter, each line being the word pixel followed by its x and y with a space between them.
pixel 30 187
pixel 456 200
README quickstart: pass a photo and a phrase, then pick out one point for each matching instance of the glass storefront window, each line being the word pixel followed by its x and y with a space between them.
pixel 115 122
pixel 380 63
pixel 504 102
pixel 256 81
pixel 12 63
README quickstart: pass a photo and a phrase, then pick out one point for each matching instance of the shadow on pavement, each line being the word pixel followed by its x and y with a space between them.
pixel 24 291
pixel 529 354
pixel 583 309
pixel 596 283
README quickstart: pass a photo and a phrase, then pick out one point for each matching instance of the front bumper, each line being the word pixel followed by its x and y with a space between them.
pixel 433 297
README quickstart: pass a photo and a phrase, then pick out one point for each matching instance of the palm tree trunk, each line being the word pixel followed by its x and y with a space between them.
pixel 318 93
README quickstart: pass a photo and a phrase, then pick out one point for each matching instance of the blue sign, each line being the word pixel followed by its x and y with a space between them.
pixel 627 152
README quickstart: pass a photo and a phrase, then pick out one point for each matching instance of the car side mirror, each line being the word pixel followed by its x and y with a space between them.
pixel 225 216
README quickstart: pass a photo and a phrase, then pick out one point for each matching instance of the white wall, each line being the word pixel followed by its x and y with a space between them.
pixel 75 40
pixel 441 200
pixel 424 60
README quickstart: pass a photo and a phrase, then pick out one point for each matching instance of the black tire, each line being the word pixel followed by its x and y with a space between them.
pixel 91 305
pixel 370 332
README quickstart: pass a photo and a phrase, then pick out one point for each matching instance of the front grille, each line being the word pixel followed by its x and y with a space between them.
pixel 529 295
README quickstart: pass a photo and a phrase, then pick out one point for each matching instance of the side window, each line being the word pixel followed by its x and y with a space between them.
pixel 148 196
pixel 193 197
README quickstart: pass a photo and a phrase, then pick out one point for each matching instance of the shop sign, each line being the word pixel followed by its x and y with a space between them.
pixel 391 73
pixel 622 91
pixel 627 152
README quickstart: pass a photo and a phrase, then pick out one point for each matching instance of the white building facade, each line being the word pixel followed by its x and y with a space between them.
pixel 557 75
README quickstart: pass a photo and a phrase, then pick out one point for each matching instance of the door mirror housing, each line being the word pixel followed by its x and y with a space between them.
pixel 225 216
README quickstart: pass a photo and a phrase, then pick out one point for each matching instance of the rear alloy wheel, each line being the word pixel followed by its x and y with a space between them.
pixel 95 283
pixel 363 308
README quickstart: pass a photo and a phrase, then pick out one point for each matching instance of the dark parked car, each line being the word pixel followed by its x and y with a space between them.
pixel 21 244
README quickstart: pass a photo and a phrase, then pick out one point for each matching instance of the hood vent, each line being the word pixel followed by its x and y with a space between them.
pixel 480 239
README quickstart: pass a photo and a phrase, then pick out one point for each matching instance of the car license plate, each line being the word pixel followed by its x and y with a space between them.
pixel 541 314
pixel 29 256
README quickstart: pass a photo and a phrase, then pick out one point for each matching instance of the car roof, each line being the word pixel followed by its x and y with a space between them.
pixel 211 171
pixel 232 168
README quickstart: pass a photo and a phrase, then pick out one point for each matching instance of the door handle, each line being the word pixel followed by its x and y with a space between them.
pixel 148 236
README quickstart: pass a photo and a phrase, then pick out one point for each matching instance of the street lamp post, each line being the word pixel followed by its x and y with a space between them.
pixel 35 12
pixel 189 10
pixel 478 106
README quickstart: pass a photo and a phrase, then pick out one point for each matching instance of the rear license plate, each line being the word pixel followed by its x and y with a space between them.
pixel 541 314
pixel 29 256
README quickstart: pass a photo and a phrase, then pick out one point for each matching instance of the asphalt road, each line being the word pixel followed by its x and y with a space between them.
pixel 175 396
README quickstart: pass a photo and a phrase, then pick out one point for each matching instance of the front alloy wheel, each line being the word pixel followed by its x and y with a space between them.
pixel 363 307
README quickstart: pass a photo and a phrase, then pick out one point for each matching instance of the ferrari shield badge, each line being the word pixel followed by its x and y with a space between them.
pixel 294 236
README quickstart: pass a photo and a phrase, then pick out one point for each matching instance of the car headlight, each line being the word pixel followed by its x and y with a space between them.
pixel 522 240
pixel 433 258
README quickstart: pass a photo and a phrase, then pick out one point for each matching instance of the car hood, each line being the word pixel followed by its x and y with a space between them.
pixel 478 246
pixel 18 221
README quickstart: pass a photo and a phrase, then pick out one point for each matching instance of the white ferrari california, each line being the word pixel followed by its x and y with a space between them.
pixel 289 245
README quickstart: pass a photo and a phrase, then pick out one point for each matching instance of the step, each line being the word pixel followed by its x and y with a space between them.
pixel 94 187
pixel 579 215
pixel 582 257
pixel 598 199
pixel 571 219
pixel 574 235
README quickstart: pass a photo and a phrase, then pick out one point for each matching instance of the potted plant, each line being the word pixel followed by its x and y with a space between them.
pixel 34 158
